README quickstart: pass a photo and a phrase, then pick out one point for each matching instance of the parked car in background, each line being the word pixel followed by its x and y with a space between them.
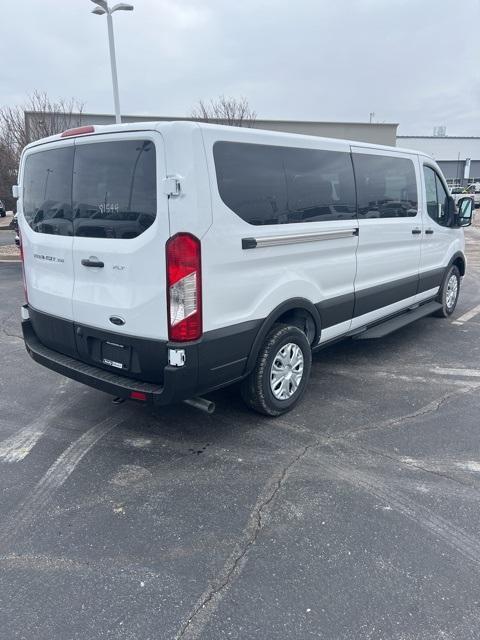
pixel 3 213
pixel 460 192
pixel 474 190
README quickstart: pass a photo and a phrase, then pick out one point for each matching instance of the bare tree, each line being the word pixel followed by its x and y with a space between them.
pixel 234 112
pixel 38 118
pixel 8 175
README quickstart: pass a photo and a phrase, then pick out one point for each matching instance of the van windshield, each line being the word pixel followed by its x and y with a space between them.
pixel 98 190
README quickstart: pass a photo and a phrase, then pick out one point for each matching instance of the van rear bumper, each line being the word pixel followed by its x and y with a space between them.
pixel 178 383
pixel 218 359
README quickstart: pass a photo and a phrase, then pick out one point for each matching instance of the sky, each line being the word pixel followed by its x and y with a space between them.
pixel 413 62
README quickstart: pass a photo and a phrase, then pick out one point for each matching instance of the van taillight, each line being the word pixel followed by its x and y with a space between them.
pixel 184 288
pixel 23 265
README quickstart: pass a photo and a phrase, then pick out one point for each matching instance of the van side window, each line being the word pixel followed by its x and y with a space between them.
pixel 320 185
pixel 265 184
pixel 251 181
pixel 47 190
pixel 437 197
pixel 386 186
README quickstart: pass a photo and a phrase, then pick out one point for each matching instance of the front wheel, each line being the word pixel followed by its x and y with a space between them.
pixel 449 292
pixel 281 372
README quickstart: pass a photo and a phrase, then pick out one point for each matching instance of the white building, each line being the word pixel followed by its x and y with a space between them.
pixel 377 133
pixel 458 157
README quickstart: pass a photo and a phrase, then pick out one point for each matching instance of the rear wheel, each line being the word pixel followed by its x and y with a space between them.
pixel 449 293
pixel 281 373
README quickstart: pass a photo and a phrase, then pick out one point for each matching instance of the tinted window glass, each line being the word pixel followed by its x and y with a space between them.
pixel 47 191
pixel 386 186
pixel 279 185
pixel 437 197
pixel 431 192
pixel 114 189
pixel 320 185
pixel 442 197
pixel 251 181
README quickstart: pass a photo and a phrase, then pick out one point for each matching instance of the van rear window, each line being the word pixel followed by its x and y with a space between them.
pixel 98 190
pixel 114 189
pixel 47 191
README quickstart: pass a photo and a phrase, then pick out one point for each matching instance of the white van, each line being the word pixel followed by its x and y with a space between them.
pixel 165 260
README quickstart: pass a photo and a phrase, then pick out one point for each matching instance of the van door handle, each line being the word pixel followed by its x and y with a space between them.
pixel 429 231
pixel 416 231
pixel 93 263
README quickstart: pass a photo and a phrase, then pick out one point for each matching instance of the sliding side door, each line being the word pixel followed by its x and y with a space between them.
pixel 390 233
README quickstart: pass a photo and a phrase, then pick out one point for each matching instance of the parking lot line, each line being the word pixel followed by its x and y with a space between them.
pixel 55 477
pixel 18 446
pixel 441 528
pixel 466 373
pixel 468 316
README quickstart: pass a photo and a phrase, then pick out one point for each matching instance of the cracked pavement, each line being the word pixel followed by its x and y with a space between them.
pixel 353 517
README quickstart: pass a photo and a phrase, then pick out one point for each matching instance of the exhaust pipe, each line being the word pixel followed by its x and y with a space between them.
pixel 201 403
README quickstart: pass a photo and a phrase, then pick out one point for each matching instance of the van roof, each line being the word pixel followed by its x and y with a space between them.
pixel 156 125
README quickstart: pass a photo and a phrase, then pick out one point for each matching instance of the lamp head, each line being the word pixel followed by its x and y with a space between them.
pixel 101 3
pixel 122 6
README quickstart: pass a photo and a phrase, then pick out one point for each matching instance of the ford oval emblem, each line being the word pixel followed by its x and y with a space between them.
pixel 117 320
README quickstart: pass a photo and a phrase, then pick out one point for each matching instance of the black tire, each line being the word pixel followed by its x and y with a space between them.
pixel 3 214
pixel 447 309
pixel 256 389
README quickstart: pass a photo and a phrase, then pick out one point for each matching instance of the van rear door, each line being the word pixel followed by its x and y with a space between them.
pixel 120 225
pixel 46 227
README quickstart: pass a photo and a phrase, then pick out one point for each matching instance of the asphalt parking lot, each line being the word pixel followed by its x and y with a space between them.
pixel 7 238
pixel 354 517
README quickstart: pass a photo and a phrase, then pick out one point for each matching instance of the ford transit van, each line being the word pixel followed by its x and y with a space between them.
pixel 165 260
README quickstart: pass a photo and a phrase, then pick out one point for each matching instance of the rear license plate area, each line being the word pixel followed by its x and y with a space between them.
pixel 116 355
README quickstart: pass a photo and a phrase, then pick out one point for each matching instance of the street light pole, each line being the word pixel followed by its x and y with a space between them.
pixel 113 64
pixel 100 10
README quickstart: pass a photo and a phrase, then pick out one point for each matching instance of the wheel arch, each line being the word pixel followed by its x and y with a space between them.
pixel 458 259
pixel 299 312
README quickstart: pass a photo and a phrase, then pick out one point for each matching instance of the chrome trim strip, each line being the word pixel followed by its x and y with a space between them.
pixel 295 238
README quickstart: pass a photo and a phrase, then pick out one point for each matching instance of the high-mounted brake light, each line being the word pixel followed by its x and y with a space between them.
pixel 78 131
pixel 184 288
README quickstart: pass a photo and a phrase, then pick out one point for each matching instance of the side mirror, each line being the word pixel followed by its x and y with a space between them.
pixel 465 212
pixel 15 191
